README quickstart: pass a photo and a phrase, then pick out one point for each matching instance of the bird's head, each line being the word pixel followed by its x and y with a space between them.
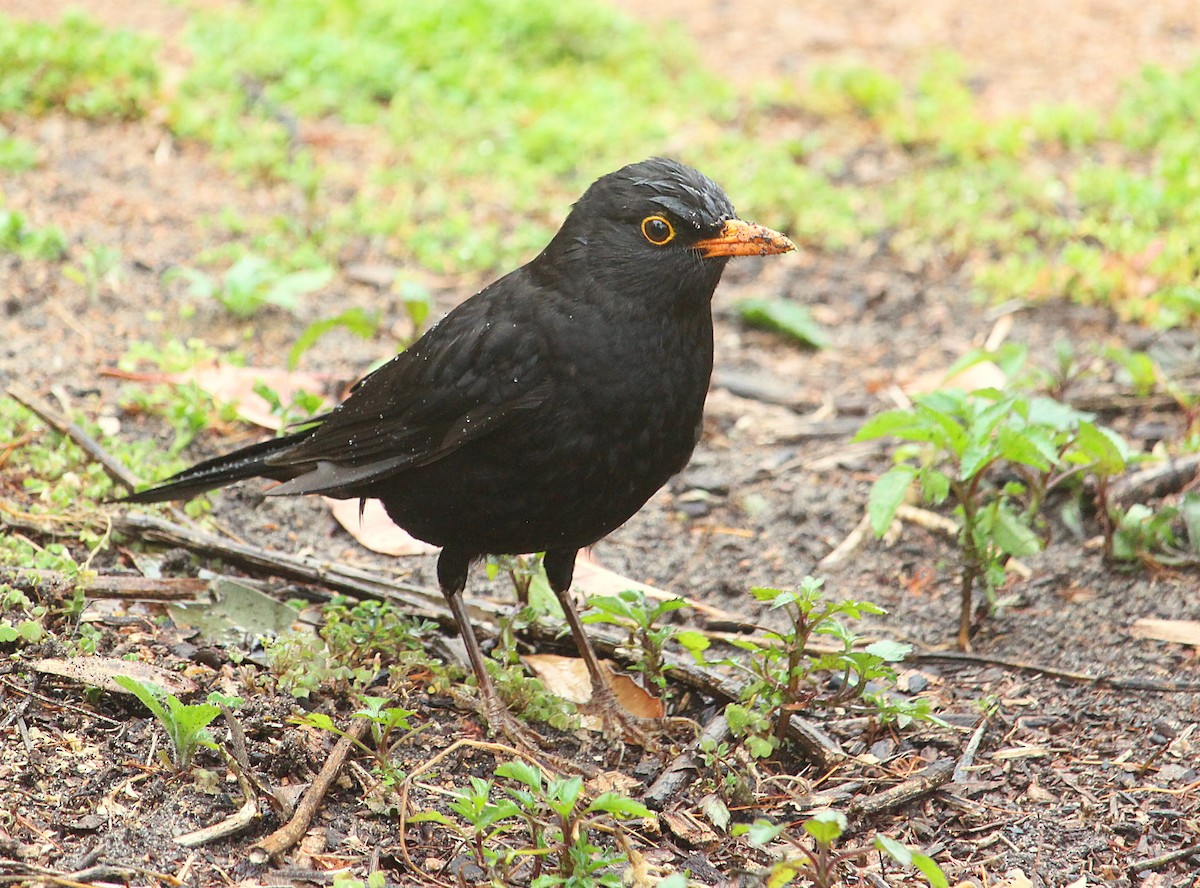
pixel 657 227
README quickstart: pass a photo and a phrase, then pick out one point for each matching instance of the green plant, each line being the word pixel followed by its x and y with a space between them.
pixel 823 866
pixel 546 826
pixel 783 316
pixel 361 323
pixel 77 66
pixel 1169 535
pixel 634 613
pixel 252 283
pixel 384 722
pixel 100 265
pixel 355 638
pixel 186 724
pixel 783 678
pixel 957 441
pixel 27 626
pixel 16 236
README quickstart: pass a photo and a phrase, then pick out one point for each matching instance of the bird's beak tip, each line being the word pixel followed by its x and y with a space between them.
pixel 740 238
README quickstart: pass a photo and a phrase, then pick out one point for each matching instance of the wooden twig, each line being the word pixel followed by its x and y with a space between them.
pixel 684 768
pixel 1155 482
pixel 1124 684
pixel 968 757
pixel 1162 860
pixel 291 832
pixel 922 784
pixel 113 468
pixel 106 585
pixel 236 822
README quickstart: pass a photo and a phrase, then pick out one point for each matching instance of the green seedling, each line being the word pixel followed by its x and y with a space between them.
pixel 784 679
pixel 76 66
pixel 956 441
pixel 100 266
pixel 361 323
pixel 186 724
pixel 17 236
pixel 823 866
pixel 384 722
pixel 253 283
pixel 1167 536
pixel 783 316
pixel 541 832
pixel 633 612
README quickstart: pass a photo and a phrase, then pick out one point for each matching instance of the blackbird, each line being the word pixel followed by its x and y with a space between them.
pixel 540 414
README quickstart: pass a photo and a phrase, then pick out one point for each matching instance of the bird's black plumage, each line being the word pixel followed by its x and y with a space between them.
pixel 544 411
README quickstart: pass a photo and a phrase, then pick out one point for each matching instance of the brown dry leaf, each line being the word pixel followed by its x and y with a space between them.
pixel 567 677
pixel 985 374
pixel 1178 631
pixel 229 384
pixel 100 672
pixel 374 530
pixel 1014 878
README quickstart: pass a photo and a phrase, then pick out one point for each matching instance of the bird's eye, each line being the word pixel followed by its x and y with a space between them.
pixel 657 230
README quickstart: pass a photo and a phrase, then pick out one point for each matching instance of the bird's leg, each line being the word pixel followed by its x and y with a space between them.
pixel 452 576
pixel 560 568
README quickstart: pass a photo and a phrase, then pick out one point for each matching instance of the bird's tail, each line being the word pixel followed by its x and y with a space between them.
pixel 248 462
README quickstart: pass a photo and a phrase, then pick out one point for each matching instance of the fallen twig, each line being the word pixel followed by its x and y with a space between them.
pixel 105 585
pixel 1124 684
pixel 112 467
pixel 934 776
pixel 291 832
pixel 683 769
pixel 1162 860
pixel 235 822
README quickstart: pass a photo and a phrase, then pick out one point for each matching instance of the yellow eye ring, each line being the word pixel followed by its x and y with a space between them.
pixel 657 230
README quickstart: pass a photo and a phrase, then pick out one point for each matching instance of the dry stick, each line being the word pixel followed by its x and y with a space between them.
pixel 291 832
pixel 968 757
pixel 106 585
pixel 319 572
pixel 683 769
pixel 934 776
pixel 235 823
pixel 1155 482
pixel 61 424
pixel 1123 684
pixel 1154 863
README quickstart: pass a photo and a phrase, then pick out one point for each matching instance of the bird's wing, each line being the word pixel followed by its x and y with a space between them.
pixel 467 377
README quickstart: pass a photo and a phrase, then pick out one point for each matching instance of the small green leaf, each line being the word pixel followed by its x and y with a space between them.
pixel 1012 534
pixel 886 496
pixel 760 832
pixel 619 806
pixel 889 651
pixel 826 826
pixel 783 316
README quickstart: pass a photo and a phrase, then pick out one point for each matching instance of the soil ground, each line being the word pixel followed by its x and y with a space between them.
pixel 1073 782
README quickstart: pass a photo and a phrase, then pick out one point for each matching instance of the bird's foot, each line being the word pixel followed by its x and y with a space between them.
pixel 501 722
pixel 617 722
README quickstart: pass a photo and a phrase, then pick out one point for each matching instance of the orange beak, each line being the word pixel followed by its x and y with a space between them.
pixel 738 238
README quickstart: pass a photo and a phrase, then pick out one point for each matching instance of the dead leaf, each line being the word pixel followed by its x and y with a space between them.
pixel 567 677
pixel 374 530
pixel 100 672
pixel 985 374
pixel 1178 631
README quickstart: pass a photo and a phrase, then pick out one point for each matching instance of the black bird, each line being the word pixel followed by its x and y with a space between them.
pixel 542 413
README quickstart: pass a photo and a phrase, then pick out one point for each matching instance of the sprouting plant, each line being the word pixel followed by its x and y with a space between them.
pixel 823 866
pixel 631 611
pixel 784 678
pixel 253 282
pixel 384 722
pixel 99 266
pixel 186 724
pixel 362 324
pixel 958 442
pixel 1169 535
pixel 538 831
